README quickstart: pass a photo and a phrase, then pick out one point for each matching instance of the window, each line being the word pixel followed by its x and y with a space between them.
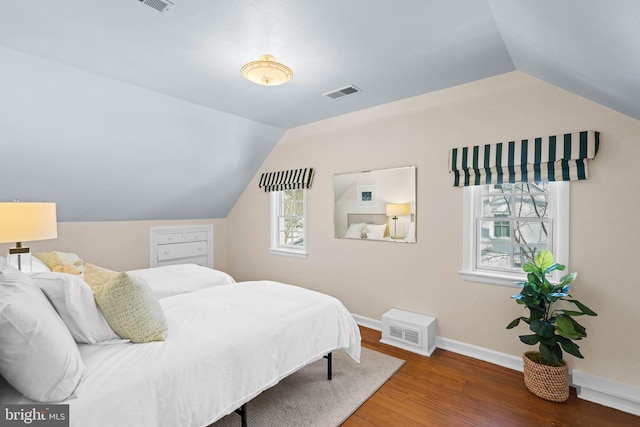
pixel 288 223
pixel 507 224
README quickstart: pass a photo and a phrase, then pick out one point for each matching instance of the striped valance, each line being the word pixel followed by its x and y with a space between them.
pixel 286 180
pixel 554 158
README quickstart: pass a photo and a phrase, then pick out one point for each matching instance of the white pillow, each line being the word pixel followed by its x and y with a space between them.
pixel 73 300
pixel 355 231
pixel 170 280
pixel 37 354
pixel 376 231
pixel 3 261
pixel 38 266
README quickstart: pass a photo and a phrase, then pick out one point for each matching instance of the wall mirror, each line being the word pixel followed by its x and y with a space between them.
pixel 376 205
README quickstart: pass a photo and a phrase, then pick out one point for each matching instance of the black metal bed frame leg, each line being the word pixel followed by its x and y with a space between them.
pixel 329 368
pixel 242 411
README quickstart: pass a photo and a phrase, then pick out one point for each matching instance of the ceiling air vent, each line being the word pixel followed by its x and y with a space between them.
pixel 159 5
pixel 344 92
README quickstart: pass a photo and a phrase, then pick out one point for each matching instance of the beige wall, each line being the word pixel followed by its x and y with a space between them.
pixel 119 245
pixel 372 277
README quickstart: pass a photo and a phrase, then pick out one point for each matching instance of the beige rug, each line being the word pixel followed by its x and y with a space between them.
pixel 308 399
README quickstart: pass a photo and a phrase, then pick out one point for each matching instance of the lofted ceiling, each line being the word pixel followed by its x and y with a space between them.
pixel 389 49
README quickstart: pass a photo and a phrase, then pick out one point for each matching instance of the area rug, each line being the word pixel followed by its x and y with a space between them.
pixel 308 399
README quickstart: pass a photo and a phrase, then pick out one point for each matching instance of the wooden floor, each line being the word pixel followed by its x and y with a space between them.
pixel 448 389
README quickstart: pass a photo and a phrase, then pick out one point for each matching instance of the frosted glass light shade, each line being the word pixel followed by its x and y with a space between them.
pixel 267 72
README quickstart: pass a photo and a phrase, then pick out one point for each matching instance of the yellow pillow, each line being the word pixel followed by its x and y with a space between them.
pixel 96 276
pixel 62 262
pixel 128 304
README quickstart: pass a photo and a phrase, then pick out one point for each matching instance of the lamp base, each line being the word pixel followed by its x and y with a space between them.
pixel 20 258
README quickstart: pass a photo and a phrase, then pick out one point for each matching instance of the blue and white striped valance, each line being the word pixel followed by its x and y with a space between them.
pixel 286 180
pixel 555 158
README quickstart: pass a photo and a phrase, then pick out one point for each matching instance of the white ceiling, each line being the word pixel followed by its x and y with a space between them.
pixel 89 79
pixel 389 49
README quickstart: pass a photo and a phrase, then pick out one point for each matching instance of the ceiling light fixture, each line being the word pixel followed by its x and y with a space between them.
pixel 267 71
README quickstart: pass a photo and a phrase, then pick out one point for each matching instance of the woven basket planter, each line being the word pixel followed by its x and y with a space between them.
pixel 548 382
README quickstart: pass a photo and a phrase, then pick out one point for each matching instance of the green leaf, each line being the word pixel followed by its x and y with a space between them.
pixel 544 329
pixel 565 328
pixel 565 280
pixel 528 267
pixel 529 339
pixel 544 259
pixel 546 287
pixel 515 322
pixel 572 312
pixel 571 347
pixel 553 267
pixel 551 353
pixel 586 310
pixel 558 294
pixel 578 328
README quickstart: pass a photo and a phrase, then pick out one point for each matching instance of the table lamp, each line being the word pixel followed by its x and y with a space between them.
pixel 394 210
pixel 24 222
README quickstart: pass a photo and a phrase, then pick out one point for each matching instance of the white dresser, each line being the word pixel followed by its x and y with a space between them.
pixel 189 244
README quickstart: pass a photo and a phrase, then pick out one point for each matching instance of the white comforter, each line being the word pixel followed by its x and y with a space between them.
pixel 225 345
pixel 170 280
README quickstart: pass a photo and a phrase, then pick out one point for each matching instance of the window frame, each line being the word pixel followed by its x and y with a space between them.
pixel 275 248
pixel 559 205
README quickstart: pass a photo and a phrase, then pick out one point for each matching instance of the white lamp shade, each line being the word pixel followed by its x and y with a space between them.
pixel 398 209
pixel 25 222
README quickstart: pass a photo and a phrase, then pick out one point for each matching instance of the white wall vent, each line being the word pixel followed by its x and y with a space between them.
pixel 410 331
pixel 160 5
pixel 405 334
pixel 341 93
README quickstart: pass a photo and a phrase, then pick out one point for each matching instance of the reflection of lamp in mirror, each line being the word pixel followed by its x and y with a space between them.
pixel 25 222
pixel 394 210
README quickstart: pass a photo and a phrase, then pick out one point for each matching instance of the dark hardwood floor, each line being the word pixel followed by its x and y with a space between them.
pixel 448 389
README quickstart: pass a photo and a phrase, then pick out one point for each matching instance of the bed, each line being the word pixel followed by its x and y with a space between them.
pixel 225 343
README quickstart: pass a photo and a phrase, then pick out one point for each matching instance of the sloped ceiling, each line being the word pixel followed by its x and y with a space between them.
pixel 193 53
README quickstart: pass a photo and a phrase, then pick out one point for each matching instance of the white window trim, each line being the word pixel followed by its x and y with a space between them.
pixel 559 193
pixel 274 247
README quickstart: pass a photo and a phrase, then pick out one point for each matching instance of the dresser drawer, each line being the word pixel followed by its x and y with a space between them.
pixel 181 244
pixel 191 236
pixel 170 238
pixel 181 250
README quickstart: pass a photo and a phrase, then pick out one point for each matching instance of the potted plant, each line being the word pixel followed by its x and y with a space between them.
pixel 546 374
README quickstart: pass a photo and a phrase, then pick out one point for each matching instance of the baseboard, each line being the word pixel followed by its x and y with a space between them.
pixel 600 390
pixel 617 395
pixel 376 325
pixel 481 353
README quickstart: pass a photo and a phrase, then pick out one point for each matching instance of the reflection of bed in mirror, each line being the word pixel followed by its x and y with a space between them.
pixel 376 205
pixel 375 227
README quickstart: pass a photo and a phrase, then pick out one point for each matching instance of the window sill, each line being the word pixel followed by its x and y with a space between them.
pixel 500 279
pixel 288 253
